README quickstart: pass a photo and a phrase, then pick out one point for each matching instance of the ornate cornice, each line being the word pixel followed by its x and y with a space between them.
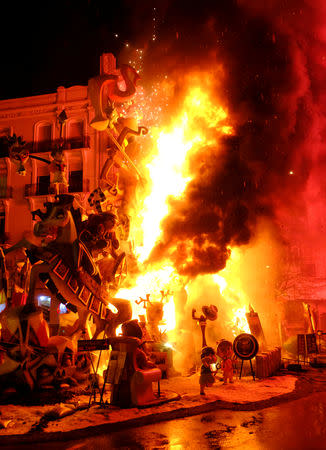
pixel 48 109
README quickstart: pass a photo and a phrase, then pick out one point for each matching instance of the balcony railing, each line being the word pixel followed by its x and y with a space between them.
pixel 81 142
pixel 47 189
pixel 68 144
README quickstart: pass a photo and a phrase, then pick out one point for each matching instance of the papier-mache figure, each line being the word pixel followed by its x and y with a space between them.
pixel 18 153
pixel 132 328
pixel 58 171
pixel 99 234
pixel 225 352
pixel 207 378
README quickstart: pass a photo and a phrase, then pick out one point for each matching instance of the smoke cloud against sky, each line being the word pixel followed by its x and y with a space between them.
pixel 273 59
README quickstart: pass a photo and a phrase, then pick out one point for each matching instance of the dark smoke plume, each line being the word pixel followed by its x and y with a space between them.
pixel 272 85
pixel 212 214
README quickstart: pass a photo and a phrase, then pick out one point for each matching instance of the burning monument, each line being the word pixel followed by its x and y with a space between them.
pixel 166 218
pixel 185 210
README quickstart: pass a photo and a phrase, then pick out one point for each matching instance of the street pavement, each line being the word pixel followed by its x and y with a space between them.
pixel 297 425
pixel 292 421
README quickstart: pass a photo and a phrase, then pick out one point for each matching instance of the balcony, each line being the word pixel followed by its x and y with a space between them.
pixel 68 144
pixel 74 143
pixel 38 189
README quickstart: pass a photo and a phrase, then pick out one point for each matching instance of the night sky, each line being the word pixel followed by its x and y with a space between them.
pixel 46 44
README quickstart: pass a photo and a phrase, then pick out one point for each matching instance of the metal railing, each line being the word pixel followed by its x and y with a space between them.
pixel 68 144
pixel 37 189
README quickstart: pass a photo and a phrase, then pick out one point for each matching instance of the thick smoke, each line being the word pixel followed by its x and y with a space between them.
pixel 272 85
pixel 212 214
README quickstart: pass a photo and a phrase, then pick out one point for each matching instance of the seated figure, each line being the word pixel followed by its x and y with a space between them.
pixel 145 371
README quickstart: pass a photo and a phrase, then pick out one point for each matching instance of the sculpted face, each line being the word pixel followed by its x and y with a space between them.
pixel 19 156
pixel 224 349
pixel 49 227
pixel 109 224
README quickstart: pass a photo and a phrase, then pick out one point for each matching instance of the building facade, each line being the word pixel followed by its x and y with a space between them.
pixel 36 120
pixel 45 123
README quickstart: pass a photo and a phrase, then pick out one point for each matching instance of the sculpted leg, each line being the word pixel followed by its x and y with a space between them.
pixel 34 277
pixel 24 243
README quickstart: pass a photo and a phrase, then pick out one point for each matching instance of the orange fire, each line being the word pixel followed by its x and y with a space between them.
pixel 233 294
pixel 167 173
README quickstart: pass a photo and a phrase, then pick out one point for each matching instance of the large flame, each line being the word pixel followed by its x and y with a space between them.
pixel 168 175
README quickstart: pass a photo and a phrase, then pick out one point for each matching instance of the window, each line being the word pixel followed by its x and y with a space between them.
pixel 43 184
pixel 43 137
pixel 75 175
pixel 3 236
pixel 75 181
pixel 4 150
pixel 2 224
pixel 43 180
pixel 3 178
pixel 75 134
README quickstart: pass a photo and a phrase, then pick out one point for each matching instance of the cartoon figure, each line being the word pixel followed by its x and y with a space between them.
pixel 58 171
pixel 114 87
pixel 19 154
pixel 18 277
pixel 67 268
pixel 227 367
pixel 210 313
pixel 225 352
pixel 133 329
pixel 99 234
pixel 206 379
pixel 154 315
